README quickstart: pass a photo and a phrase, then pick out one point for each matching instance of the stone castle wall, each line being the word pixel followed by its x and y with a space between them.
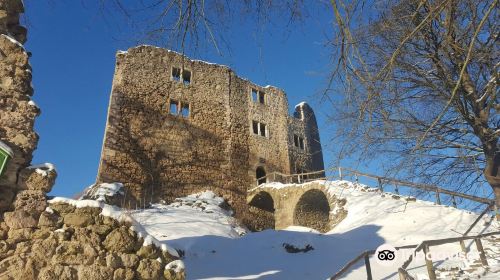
pixel 310 158
pixel 17 111
pixel 160 155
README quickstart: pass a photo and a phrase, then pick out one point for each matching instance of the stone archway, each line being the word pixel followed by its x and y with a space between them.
pixel 261 210
pixel 260 174
pixel 264 201
pixel 313 211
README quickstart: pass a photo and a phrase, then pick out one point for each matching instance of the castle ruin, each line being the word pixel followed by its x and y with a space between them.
pixel 176 126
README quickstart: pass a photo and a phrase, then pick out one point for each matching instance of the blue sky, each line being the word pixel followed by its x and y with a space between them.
pixel 73 60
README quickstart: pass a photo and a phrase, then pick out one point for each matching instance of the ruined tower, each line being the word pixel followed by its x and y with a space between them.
pixel 177 126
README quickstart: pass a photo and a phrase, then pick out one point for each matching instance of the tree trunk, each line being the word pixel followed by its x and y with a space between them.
pixel 492 175
pixel 496 190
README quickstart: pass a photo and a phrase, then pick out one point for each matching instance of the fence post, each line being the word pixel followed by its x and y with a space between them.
pixel 368 267
pixel 340 173
pixel 438 199
pixel 380 186
pixel 453 201
pixel 480 249
pixel 428 264
pixel 402 275
pixel 357 178
pixel 497 211
pixel 396 189
pixel 462 245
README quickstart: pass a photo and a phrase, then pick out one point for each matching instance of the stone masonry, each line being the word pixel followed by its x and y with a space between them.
pixel 17 111
pixel 39 240
pixel 310 205
pixel 177 126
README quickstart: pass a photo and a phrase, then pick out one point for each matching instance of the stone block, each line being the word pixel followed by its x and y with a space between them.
pixel 124 274
pixel 6 197
pixel 95 272
pixel 149 269
pixel 20 219
pixel 50 220
pixel 41 179
pixel 78 220
pixel 32 201
pixel 74 253
pixel 62 208
pixel 120 240
pixel 129 260
pixel 58 272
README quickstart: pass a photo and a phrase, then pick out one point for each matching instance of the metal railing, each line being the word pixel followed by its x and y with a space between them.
pixel 425 246
pixel 366 257
pixel 291 178
pixel 381 180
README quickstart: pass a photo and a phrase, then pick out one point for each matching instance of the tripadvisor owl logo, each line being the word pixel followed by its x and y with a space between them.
pixel 386 255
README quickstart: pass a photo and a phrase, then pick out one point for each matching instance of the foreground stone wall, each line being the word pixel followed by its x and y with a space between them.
pixel 17 111
pixel 159 154
pixel 65 242
pixel 60 241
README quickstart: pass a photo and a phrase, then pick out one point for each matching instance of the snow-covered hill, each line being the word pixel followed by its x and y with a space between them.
pixel 215 247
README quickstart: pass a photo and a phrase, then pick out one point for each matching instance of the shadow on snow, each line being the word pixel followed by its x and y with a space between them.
pixel 262 255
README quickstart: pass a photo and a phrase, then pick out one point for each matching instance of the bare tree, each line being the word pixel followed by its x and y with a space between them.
pixel 419 87
pixel 191 24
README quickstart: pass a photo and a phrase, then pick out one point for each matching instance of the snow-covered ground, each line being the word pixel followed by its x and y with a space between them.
pixel 215 247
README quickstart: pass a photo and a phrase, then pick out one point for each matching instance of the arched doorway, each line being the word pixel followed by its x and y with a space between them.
pixel 313 211
pixel 261 212
pixel 260 175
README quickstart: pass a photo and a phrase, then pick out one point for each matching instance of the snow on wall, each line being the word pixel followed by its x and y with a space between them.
pixel 119 215
pixel 43 169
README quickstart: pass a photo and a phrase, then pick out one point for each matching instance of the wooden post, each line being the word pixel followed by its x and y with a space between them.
pixel 368 267
pixel 428 264
pixel 401 274
pixel 438 199
pixel 340 173
pixel 480 249
pixel 453 201
pixel 462 245
pixel 497 211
